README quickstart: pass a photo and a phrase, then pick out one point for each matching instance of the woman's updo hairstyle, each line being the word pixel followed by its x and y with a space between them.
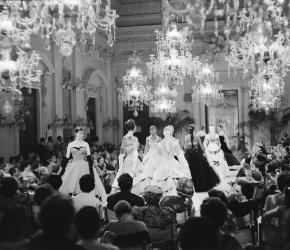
pixel 130 125
pixel 77 129
pixel 152 127
pixel 191 128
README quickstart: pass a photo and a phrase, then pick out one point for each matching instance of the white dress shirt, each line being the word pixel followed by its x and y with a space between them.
pixel 86 199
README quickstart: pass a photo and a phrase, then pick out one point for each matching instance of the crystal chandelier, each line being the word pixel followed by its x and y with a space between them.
pixel 208 93
pixel 163 105
pixel 164 99
pixel 266 91
pixel 173 61
pixel 263 38
pixel 19 73
pixel 64 21
pixel 135 91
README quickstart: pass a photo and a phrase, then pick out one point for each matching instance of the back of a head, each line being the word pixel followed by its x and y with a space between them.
pixel 199 234
pixel 87 222
pixel 281 181
pixel 218 194
pixel 8 186
pixel 125 182
pixel 56 215
pixel 13 223
pixel 42 140
pixel 41 193
pixel 55 181
pixel 215 210
pixel 87 183
pixel 121 208
pixel 247 190
pixel 152 195
pixel 130 125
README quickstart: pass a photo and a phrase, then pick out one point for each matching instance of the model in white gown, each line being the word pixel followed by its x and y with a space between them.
pixel 151 157
pixel 169 170
pixel 128 158
pixel 79 166
pixel 214 154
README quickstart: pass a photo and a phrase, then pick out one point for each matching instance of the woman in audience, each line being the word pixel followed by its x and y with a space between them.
pixel 88 224
pixel 152 214
pixel 216 211
pixel 12 229
pixel 275 200
pixel 57 225
pixel 198 234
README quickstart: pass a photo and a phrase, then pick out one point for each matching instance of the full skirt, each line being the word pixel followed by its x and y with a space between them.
pixel 218 163
pixel 203 176
pixel 70 180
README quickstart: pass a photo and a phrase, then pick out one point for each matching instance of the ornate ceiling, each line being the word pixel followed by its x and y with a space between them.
pixel 138 12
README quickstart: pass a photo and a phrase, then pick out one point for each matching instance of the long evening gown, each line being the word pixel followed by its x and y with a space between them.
pixel 169 170
pixel 230 158
pixel 129 162
pixel 215 155
pixel 203 176
pixel 78 167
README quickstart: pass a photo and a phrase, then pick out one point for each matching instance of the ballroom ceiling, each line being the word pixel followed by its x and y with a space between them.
pixel 138 12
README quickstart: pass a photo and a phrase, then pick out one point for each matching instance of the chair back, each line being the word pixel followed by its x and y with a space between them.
pixel 136 241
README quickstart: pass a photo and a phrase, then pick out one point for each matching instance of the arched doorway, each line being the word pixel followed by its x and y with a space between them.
pixel 95 101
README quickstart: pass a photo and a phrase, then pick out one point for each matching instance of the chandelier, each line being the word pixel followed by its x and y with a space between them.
pixel 135 91
pixel 19 72
pixel 173 61
pixel 64 21
pixel 208 93
pixel 266 92
pixel 263 39
pixel 164 99
pixel 163 105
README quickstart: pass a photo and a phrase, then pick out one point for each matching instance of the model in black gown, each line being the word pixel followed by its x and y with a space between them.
pixel 230 158
pixel 203 176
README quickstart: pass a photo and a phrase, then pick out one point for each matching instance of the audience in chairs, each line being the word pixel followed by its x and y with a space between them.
pixel 216 211
pixel 125 182
pixel 88 224
pixel 87 196
pixel 129 232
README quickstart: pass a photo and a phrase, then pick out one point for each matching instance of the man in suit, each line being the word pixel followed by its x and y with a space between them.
pixel 59 147
pixel 125 182
pixel 42 152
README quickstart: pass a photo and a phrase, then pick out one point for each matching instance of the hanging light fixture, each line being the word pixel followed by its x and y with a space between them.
pixel 263 38
pixel 164 99
pixel 266 92
pixel 173 61
pixel 63 20
pixel 135 91
pixel 208 93
pixel 20 72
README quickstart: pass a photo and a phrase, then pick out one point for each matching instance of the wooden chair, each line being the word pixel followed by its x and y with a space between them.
pixel 136 241
pixel 163 239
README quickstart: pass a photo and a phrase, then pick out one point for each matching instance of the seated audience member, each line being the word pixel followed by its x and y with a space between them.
pixel 87 196
pixel 125 225
pixel 275 200
pixel 242 204
pixel 8 194
pixel 13 228
pixel 248 174
pixel 216 211
pixel 41 193
pixel 152 214
pixel 57 225
pixel 125 182
pixel 54 181
pixel 88 224
pixel 280 210
pixel 198 234
pixel 230 225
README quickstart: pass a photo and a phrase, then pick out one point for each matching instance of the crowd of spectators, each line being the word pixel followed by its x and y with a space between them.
pixel 35 215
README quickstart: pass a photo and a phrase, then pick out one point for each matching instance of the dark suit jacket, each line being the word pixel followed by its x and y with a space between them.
pixel 132 199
